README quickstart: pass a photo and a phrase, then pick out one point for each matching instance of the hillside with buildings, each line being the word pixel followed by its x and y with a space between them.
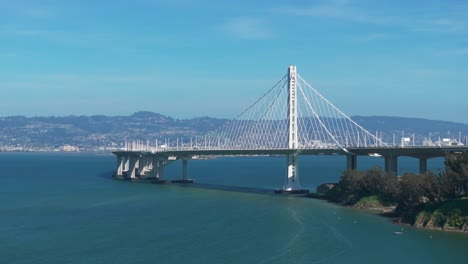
pixel 102 133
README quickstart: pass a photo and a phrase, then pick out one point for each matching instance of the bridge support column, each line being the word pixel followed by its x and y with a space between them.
pixel 292 180
pixel 149 164
pixel 292 176
pixel 142 165
pixel 159 169
pixel 422 165
pixel 120 164
pixel 185 178
pixel 184 169
pixel 126 164
pixel 155 167
pixel 133 167
pixel 351 161
pixel 391 165
pixel 146 164
pixel 292 185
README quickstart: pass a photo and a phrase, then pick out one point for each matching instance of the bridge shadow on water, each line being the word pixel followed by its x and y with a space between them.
pixel 226 188
pixel 106 175
pixel 240 189
pixel 203 186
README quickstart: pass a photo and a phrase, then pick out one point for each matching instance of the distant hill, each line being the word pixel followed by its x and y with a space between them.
pixel 404 126
pixel 92 132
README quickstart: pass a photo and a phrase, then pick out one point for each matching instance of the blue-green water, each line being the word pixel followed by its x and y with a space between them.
pixel 65 208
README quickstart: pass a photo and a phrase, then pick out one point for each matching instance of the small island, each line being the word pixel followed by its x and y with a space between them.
pixel 431 200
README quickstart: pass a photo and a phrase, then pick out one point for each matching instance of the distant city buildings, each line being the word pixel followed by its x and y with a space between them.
pixel 103 134
pixel 69 148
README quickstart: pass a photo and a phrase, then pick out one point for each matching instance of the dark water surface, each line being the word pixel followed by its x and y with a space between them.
pixel 65 208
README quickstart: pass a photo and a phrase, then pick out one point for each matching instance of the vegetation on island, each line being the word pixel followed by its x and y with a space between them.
pixel 431 200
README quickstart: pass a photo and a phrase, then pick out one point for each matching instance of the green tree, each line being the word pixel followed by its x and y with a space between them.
pixel 354 185
pixel 372 181
pixel 348 190
pixel 438 219
pixel 419 189
pixel 455 178
pixel 391 188
pixel 455 218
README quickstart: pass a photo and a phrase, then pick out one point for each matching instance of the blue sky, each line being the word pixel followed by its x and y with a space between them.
pixel 186 58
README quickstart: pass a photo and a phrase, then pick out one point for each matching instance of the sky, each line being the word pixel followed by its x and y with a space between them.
pixel 187 58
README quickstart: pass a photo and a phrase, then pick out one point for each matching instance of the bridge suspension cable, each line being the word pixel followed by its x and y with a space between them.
pixel 264 124
pixel 322 122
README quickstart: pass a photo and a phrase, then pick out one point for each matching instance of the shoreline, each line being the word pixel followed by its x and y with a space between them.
pixel 389 213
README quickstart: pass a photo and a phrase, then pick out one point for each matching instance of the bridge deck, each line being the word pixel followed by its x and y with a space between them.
pixel 417 152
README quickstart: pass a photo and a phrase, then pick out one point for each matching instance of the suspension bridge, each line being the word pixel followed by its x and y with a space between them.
pixel 291 119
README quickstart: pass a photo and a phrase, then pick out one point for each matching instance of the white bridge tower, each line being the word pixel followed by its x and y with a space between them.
pixel 292 179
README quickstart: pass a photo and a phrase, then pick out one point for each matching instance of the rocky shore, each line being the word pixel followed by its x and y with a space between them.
pixel 450 215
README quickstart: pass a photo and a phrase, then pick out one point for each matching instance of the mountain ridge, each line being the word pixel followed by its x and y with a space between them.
pixel 145 114
pixel 102 131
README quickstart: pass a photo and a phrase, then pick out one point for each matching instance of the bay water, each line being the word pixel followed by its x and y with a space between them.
pixel 66 208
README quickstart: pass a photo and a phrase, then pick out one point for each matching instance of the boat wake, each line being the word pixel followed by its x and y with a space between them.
pixel 293 254
pixel 289 248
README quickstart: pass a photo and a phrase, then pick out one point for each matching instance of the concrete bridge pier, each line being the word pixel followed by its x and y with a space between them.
pixel 292 184
pixel 154 163
pixel 126 166
pixel 141 165
pixel 185 178
pixel 184 169
pixel 145 165
pixel 120 165
pixel 157 168
pixel 157 172
pixel 391 165
pixel 134 163
pixel 150 164
pixel 351 162
pixel 422 165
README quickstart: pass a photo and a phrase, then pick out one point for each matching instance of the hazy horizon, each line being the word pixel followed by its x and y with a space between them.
pixel 217 117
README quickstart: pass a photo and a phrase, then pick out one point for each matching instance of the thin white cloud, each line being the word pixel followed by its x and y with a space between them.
pixel 454 52
pixel 247 28
pixel 36 12
pixel 24 32
pixel 462 51
pixel 440 72
pixel 441 25
pixel 372 37
pixel 29 9
pixel 8 54
pixel 347 11
pixel 337 10
pixel 96 38
pixel 172 3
